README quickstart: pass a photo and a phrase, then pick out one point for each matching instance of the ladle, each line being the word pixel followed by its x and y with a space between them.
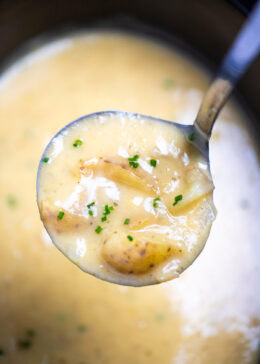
pixel 243 51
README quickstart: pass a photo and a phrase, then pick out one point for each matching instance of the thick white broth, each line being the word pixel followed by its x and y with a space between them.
pixel 211 314
pixel 113 213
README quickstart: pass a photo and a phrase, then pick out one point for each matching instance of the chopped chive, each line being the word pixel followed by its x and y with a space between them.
pixel 134 158
pixel 12 201
pixel 82 328
pixel 133 161
pixel 30 333
pixel 126 222
pixel 168 83
pixel 153 162
pixel 45 160
pixel 177 199
pixel 155 204
pixel 24 344
pixel 77 143
pixel 60 215
pixel 108 209
pixel 134 164
pixel 191 137
pixel 129 237
pixel 98 229
pixel 90 212
pixel 2 353
pixel 90 204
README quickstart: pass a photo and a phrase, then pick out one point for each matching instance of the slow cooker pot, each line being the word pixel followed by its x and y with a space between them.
pixel 23 20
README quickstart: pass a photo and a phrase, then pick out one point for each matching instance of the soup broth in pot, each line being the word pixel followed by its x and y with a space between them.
pixel 53 313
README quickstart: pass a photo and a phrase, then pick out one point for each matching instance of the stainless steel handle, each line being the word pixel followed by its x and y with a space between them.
pixel 243 51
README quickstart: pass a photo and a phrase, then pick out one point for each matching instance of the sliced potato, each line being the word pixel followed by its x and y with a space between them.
pixel 118 173
pixel 69 222
pixel 137 256
pixel 196 185
pixel 143 222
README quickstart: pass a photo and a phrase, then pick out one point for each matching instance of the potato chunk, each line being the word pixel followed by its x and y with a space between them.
pixel 196 184
pixel 118 173
pixel 68 223
pixel 137 256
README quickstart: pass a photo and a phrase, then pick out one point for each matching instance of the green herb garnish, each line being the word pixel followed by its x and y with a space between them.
pixel 108 209
pixel 177 199
pixel 155 204
pixel 191 137
pixel 134 164
pixel 30 333
pixel 60 215
pixel 126 222
pixel 2 353
pixel 98 229
pixel 12 201
pixel 129 237
pixel 134 158
pixel 133 161
pixel 77 143
pixel 24 344
pixel 90 212
pixel 153 162
pixel 45 160
pixel 82 328
pixel 168 83
pixel 90 204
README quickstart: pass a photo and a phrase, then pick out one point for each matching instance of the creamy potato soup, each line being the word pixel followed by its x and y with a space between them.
pixel 126 197
pixel 53 313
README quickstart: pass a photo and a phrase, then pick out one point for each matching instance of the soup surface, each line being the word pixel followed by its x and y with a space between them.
pixel 50 311
pixel 126 197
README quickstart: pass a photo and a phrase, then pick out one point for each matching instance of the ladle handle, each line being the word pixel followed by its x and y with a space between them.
pixel 243 51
